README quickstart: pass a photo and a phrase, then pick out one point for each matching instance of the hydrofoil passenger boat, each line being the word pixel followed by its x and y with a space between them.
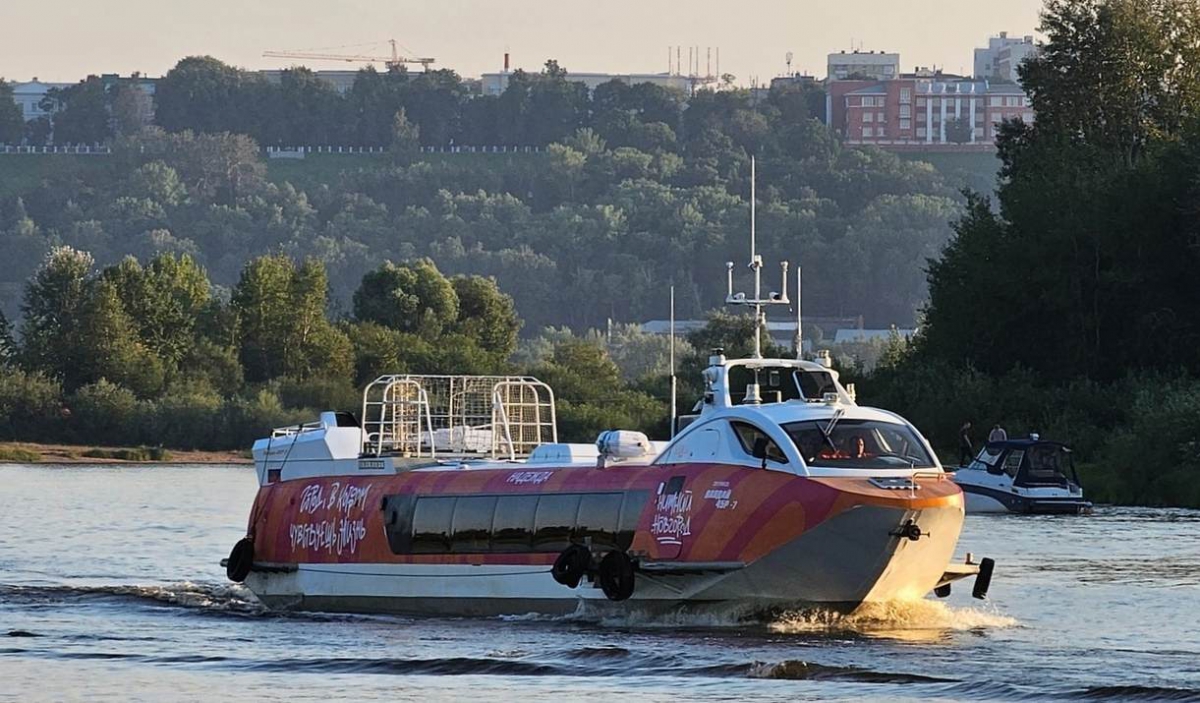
pixel 453 495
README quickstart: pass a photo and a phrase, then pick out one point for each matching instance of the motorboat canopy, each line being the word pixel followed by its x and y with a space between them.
pixel 1029 462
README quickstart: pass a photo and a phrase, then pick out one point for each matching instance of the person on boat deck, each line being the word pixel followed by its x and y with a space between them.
pixel 966 450
pixel 997 434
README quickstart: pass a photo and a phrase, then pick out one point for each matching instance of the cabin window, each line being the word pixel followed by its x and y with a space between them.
pixel 598 518
pixel 431 525
pixel 512 526
pixel 472 524
pixel 511 523
pixel 748 435
pixel 1012 462
pixel 554 522
pixel 815 384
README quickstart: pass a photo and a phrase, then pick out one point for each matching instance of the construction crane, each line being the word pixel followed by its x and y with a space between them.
pixel 394 61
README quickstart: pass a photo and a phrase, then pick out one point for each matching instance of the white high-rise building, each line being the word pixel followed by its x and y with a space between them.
pixel 1002 56
pixel 870 65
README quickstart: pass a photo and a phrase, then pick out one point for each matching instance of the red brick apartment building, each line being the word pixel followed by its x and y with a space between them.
pixel 924 111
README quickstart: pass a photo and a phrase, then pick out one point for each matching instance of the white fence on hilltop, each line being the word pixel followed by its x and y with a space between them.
pixel 278 152
pixel 284 152
pixel 94 149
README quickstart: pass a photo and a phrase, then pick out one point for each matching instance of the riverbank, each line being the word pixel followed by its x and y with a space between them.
pixel 35 453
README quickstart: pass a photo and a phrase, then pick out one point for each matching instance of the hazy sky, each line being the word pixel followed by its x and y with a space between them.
pixel 64 40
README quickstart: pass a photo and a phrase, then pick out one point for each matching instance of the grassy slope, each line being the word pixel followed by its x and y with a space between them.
pixel 20 173
pixel 974 170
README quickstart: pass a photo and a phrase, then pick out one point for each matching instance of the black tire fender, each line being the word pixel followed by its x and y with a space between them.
pixel 572 565
pixel 241 559
pixel 617 575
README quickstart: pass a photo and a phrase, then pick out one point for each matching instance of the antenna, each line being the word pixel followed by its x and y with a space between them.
pixel 757 302
pixel 799 319
pixel 674 412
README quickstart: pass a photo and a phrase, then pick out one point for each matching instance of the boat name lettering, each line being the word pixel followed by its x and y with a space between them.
pixel 334 537
pixel 343 500
pixel 722 497
pixel 524 477
pixel 311 499
pixel 672 517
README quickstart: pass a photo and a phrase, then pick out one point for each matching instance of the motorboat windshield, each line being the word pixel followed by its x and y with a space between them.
pixel 858 444
pixel 1028 463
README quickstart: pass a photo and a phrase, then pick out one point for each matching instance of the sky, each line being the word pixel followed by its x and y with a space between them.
pixel 65 40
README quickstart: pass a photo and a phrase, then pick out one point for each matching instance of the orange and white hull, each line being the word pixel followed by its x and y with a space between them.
pixel 422 541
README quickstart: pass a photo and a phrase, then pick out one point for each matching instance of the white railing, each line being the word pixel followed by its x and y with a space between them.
pixel 430 415
pixel 93 150
pixel 283 152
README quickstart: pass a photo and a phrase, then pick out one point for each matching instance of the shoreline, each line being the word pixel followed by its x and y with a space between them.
pixel 39 453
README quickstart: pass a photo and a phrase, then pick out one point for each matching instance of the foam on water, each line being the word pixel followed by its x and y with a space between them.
pixel 890 618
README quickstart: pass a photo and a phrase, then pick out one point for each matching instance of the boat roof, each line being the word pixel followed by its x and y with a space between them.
pixel 1025 443
pixel 800 410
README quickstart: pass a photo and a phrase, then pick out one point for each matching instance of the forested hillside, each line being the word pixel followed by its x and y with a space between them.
pixel 635 189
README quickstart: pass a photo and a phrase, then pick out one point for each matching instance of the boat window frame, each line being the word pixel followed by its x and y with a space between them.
pixel 781 458
pixel 873 426
pixel 516 514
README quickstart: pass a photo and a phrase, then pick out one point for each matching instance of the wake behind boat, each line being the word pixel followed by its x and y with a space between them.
pixel 454 495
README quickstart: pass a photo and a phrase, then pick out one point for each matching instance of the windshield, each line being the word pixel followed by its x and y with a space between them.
pixel 988 456
pixel 1047 463
pixel 858 444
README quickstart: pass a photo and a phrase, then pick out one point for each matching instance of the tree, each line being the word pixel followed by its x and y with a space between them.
pixel 414 298
pixel 406 139
pixel 486 315
pixel 38 130
pixel 1116 73
pixel 204 95
pixel 159 183
pixel 8 347
pixel 131 106
pixel 108 347
pixel 1094 187
pixel 281 322
pixel 958 130
pixel 52 309
pixel 12 122
pixel 80 112
pixel 309 110
pixel 164 300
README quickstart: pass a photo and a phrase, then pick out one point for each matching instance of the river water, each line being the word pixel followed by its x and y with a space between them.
pixel 111 589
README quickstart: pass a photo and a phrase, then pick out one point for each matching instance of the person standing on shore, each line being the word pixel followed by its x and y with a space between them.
pixel 966 451
pixel 997 434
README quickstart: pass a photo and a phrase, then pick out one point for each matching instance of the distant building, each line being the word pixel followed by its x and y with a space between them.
pixel 871 65
pixel 1001 58
pixel 29 96
pixel 496 83
pixel 795 80
pixel 925 110
pixel 860 336
pixel 781 333
pixel 341 80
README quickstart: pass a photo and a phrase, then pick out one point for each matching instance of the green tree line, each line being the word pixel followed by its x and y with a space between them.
pixel 152 354
pixel 1070 304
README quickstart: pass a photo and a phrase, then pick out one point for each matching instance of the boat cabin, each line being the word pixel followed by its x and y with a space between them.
pixel 1030 463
